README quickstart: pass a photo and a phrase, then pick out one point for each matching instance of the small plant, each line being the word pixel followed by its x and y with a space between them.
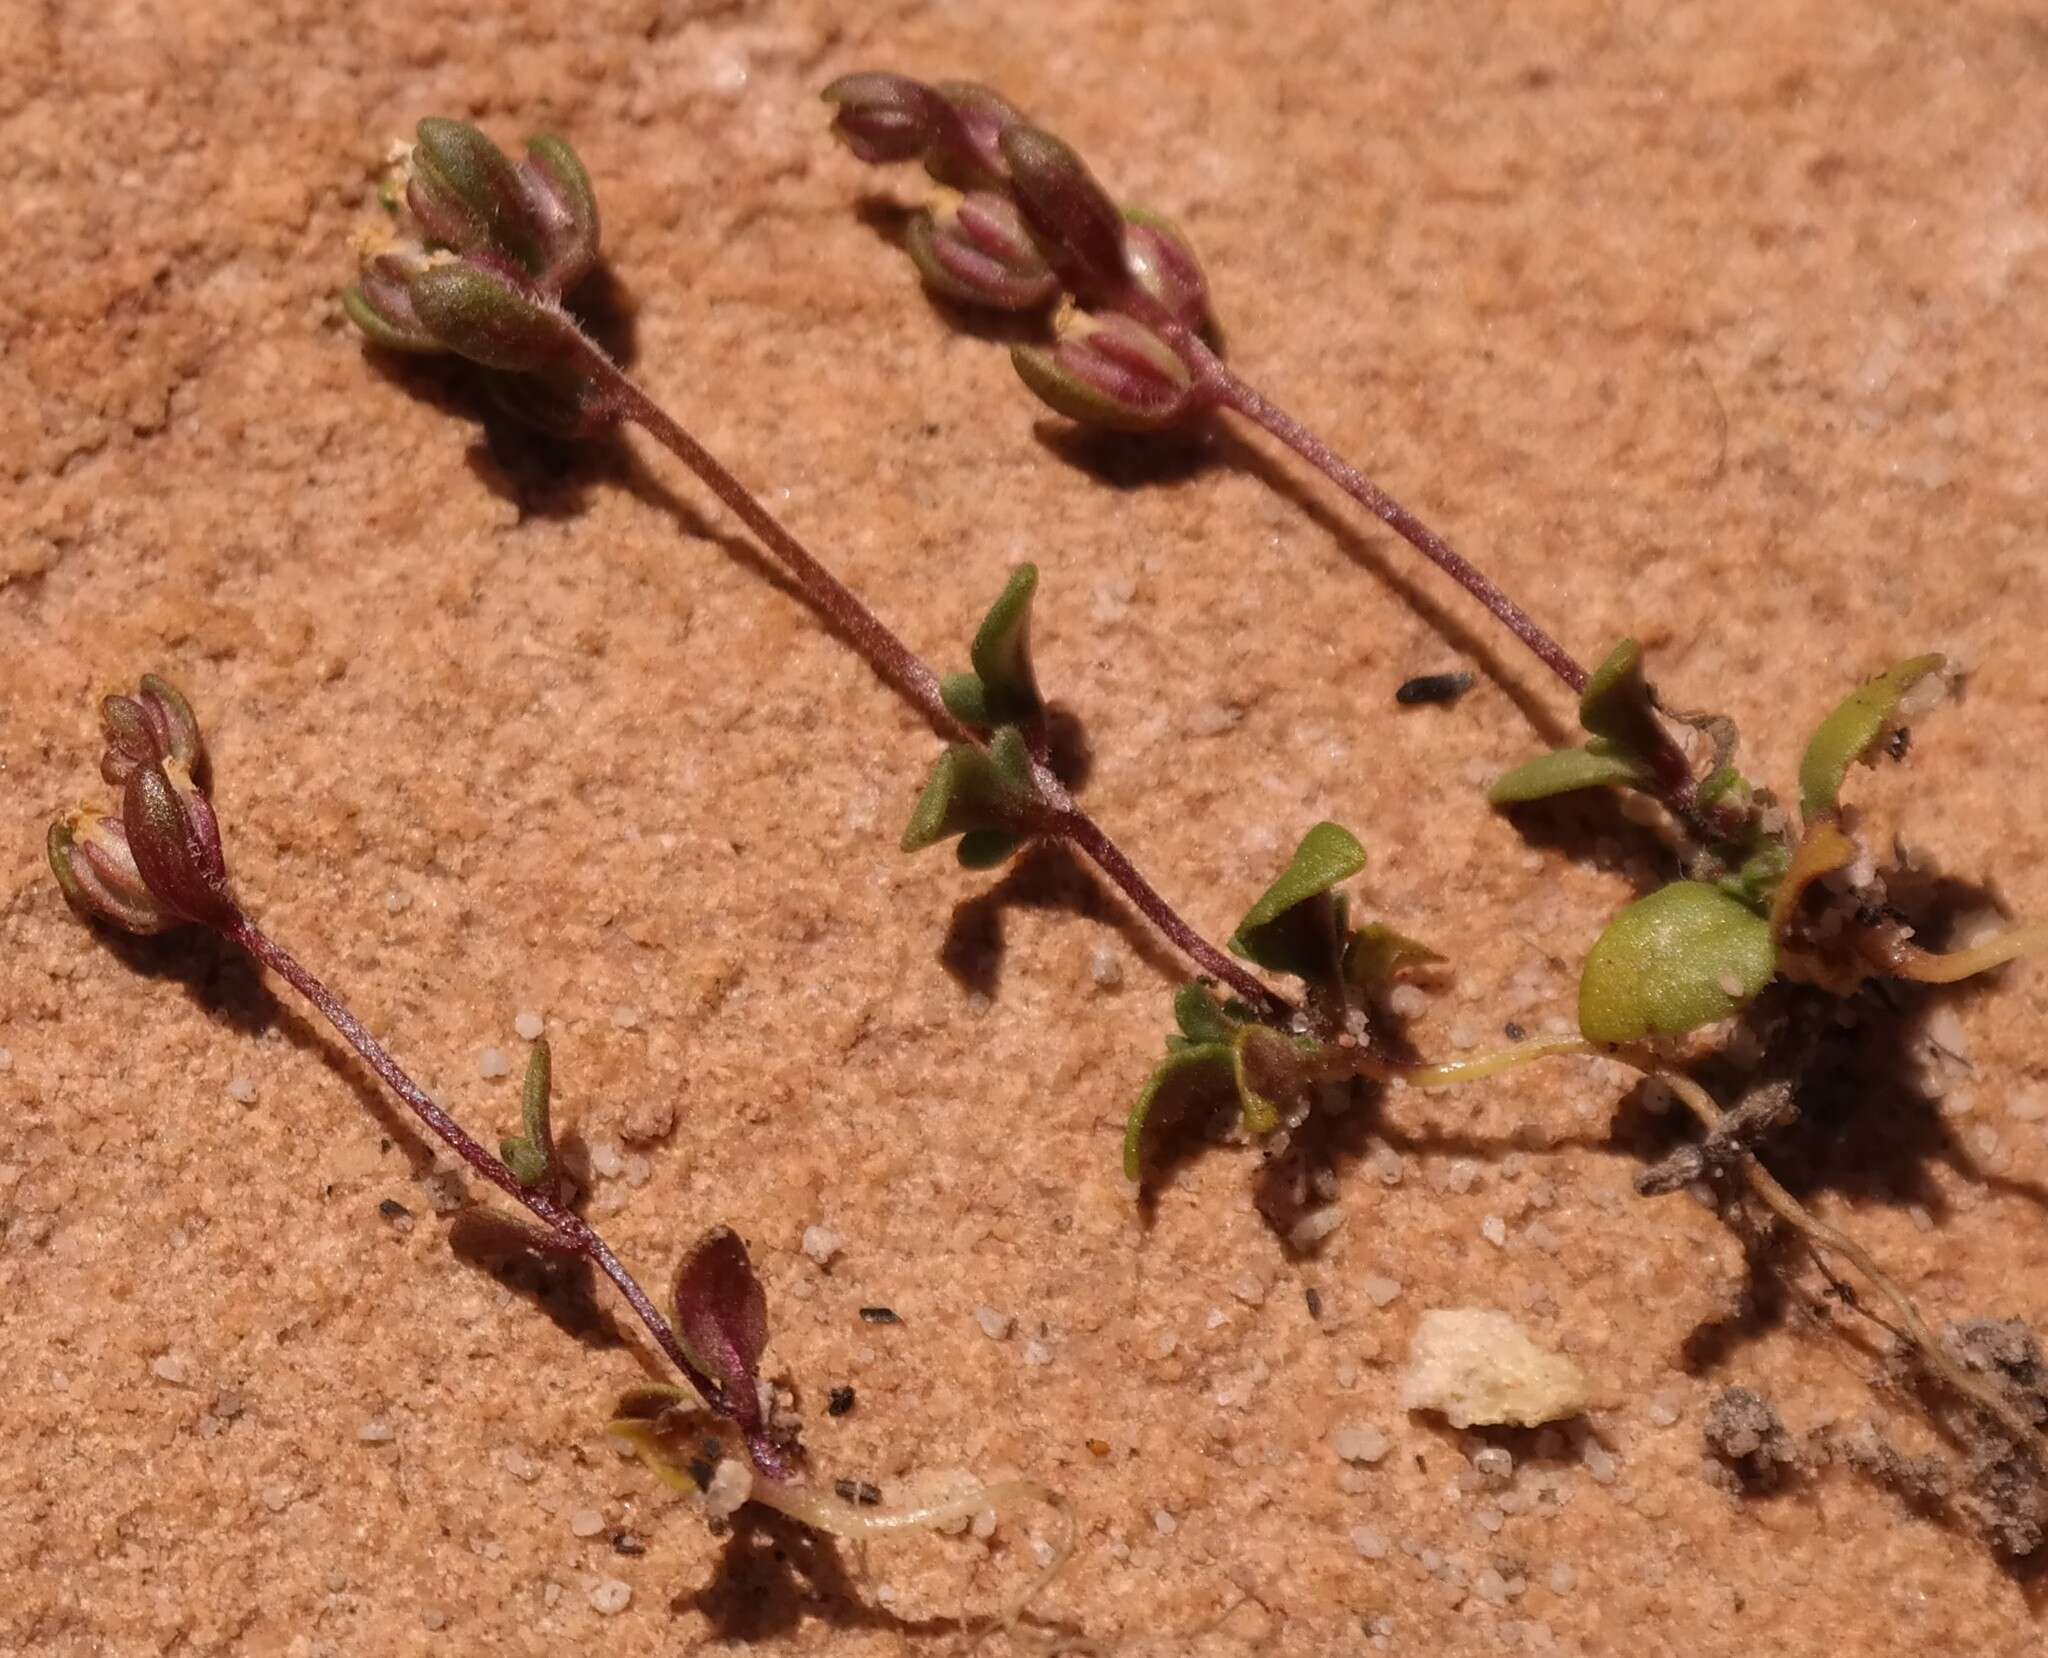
pixel 435 281
pixel 1019 222
pixel 1761 898
pixel 1016 222
pixel 157 863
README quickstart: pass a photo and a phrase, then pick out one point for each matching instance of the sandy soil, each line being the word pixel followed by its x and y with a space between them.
pixel 1731 333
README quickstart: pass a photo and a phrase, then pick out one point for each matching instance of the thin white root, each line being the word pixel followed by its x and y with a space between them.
pixel 837 1518
pixel 1450 1072
pixel 1981 958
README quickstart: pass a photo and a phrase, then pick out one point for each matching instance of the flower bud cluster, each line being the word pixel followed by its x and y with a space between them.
pixel 157 864
pixel 480 252
pixel 1020 222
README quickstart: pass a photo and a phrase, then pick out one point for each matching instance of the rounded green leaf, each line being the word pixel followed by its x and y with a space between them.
pixel 1568 769
pixel 1686 955
pixel 1848 733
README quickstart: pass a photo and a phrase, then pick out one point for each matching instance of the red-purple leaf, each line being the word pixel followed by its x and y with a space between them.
pixel 722 1321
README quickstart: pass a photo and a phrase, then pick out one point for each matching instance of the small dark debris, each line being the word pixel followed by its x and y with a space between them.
pixel 2005 1350
pixel 858 1491
pixel 1766 1108
pixel 1899 743
pixel 1515 1033
pixel 879 1315
pixel 624 1542
pixel 839 1401
pixel 392 1209
pixel 701 1471
pixel 1314 1298
pixel 1925 1482
pixel 1743 1430
pixel 1429 688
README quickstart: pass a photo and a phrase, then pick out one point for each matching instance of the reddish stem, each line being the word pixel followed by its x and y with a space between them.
pixel 1233 393
pixel 885 651
pixel 575 1233
pixel 1227 390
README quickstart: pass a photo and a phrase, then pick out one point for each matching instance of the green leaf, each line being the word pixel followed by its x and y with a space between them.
pixel 1002 653
pixel 1850 732
pixel 1375 954
pixel 966 699
pixel 986 848
pixel 1755 880
pixel 1596 766
pixel 973 788
pixel 528 1166
pixel 1686 955
pixel 1200 1016
pixel 1178 1073
pixel 531 1156
pixel 1616 702
pixel 534 1097
pixel 1293 927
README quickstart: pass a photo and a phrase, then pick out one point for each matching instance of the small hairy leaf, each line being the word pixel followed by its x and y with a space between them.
pixel 1293 926
pixel 1002 651
pixel 1686 955
pixel 1375 955
pixel 1596 766
pixel 1849 733
pixel 1616 702
pixel 1200 1016
pixel 722 1320
pixel 966 699
pixel 525 1161
pixel 1175 1079
pixel 972 788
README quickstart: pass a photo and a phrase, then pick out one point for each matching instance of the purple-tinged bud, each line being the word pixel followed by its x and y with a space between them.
pixel 1164 266
pixel 558 189
pixel 156 724
pixel 1110 371
pixel 969 153
pixel 976 249
pixel 96 872
pixel 468 197
pixel 884 118
pixel 380 304
pixel 1072 216
pixel 174 840
pixel 481 315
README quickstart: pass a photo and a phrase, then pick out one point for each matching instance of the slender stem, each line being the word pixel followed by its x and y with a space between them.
pixel 885 651
pixel 1236 394
pixel 574 1231
pixel 1085 836
pixel 1674 773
